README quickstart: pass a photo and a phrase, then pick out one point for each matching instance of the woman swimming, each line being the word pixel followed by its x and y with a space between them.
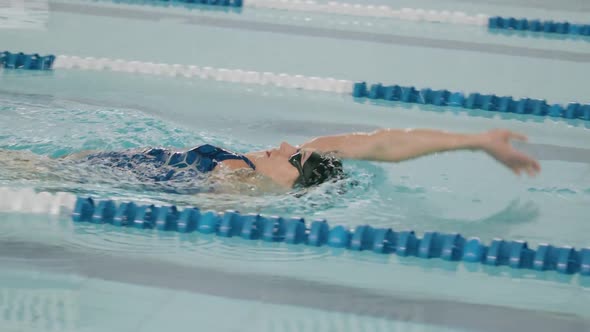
pixel 316 161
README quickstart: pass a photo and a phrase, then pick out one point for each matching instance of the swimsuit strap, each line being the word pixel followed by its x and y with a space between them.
pixel 219 154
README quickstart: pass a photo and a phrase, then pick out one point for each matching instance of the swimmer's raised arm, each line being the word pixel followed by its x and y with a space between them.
pixel 396 145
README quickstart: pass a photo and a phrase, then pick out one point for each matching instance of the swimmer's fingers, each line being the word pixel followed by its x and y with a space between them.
pixel 517 137
pixel 516 170
pixel 531 171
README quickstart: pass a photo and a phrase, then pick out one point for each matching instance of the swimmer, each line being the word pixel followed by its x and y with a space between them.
pixel 315 161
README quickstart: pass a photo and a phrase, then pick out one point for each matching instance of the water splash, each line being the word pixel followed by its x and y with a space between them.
pixel 31 156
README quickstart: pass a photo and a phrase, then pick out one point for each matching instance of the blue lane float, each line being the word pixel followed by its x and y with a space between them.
pixel 219 3
pixel 486 102
pixel 523 24
pixel 21 60
pixel 450 247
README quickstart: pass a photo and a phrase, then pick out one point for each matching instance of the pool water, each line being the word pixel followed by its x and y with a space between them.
pixel 60 276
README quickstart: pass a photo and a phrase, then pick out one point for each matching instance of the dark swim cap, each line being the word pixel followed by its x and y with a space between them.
pixel 316 170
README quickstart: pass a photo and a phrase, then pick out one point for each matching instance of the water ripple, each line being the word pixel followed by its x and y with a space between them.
pixel 556 190
pixel 109 240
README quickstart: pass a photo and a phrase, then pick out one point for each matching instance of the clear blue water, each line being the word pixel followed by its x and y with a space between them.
pixel 59 276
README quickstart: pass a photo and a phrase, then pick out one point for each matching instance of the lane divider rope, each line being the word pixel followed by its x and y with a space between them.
pixel 295 231
pixel 217 3
pixel 406 94
pixel 450 247
pixel 423 15
pixel 384 11
pixel 20 60
pixel 523 24
pixel 486 102
pixel 219 74
pixel 29 201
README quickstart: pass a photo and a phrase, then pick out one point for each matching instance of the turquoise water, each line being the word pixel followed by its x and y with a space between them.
pixel 59 276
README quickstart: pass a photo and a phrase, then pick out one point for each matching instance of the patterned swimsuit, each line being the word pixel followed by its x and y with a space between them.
pixel 160 164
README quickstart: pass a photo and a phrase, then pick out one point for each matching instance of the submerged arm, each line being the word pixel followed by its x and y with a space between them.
pixel 395 145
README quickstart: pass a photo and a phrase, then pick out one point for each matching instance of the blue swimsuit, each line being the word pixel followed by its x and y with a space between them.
pixel 160 164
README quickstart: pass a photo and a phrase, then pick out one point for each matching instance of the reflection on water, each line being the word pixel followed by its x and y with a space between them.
pixel 106 240
pixel 513 214
pixel 37 309
pixel 57 303
pixel 24 14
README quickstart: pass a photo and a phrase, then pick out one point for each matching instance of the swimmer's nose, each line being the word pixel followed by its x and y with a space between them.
pixel 287 148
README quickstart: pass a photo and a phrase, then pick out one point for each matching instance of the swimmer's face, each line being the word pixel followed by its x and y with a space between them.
pixel 275 164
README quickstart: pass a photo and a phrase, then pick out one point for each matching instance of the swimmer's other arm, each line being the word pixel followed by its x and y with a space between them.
pixel 396 145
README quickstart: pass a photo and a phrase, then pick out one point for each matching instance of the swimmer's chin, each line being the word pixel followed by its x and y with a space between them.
pixel 245 182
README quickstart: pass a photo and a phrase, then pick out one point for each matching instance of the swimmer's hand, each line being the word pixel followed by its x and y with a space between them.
pixel 497 144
